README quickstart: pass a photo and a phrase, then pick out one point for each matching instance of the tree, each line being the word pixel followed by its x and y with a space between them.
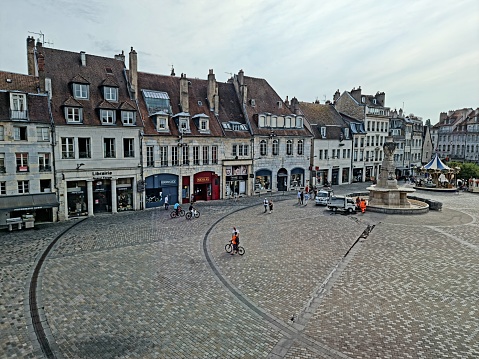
pixel 468 169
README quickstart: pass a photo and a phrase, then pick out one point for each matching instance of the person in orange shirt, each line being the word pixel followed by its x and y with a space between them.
pixel 235 242
pixel 362 205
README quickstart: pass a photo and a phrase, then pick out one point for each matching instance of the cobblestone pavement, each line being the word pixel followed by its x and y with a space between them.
pixel 142 285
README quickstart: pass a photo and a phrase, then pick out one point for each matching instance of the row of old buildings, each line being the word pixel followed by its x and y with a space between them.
pixel 82 134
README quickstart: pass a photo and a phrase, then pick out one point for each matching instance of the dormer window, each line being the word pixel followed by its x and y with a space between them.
pixel 184 125
pixel 204 125
pixel 128 118
pixel 374 101
pixel 346 133
pixel 363 99
pixel 107 117
pixel 253 102
pixel 299 122
pixel 81 91
pixel 18 106
pixel 162 124
pixel 110 93
pixel 74 114
pixel 323 132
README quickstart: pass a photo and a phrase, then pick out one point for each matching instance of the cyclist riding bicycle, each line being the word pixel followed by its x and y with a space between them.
pixel 177 208
pixel 235 242
pixel 192 209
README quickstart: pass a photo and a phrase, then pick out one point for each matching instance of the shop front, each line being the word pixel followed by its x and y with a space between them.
pixel 335 176
pixel 28 208
pixel 262 180
pixel 369 173
pixel 236 180
pixel 77 199
pixel 345 175
pixel 124 194
pixel 157 187
pixel 297 177
pixel 206 186
pixel 321 177
pixel 357 174
pixel 101 195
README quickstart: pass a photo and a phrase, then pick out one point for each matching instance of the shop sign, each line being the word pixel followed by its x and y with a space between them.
pixel 102 174
pixel 170 182
pixel 202 180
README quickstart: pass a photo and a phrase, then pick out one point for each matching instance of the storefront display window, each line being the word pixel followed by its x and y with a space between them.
pixel 77 198
pixel 296 180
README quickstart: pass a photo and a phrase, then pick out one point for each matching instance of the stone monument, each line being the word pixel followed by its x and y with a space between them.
pixel 387 193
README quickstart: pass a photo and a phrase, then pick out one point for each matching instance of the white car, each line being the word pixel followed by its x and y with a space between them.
pixel 322 197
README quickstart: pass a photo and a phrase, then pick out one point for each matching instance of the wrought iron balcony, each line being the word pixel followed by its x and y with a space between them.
pixel 45 168
pixel 18 115
pixel 3 169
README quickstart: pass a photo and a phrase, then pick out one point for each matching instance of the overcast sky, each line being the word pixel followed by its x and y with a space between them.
pixel 424 54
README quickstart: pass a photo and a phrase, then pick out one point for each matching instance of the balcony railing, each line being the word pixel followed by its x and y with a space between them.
pixel 84 155
pixel 129 154
pixel 45 168
pixel 18 115
pixel 3 169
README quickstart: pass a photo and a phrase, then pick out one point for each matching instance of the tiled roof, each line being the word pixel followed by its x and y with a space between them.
pixel 266 100
pixel 109 81
pixel 64 67
pixel 197 90
pixel 72 102
pixel 321 114
pixel 106 105
pixel 17 82
pixel 230 110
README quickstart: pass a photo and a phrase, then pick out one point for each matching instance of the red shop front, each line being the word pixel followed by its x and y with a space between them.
pixel 206 186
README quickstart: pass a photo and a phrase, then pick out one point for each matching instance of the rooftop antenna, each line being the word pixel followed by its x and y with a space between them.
pixel 229 73
pixel 42 36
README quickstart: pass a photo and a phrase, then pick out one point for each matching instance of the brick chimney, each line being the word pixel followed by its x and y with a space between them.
pixel 336 95
pixel 217 100
pixel 356 94
pixel 120 57
pixel 133 73
pixel 41 71
pixel 380 98
pixel 184 101
pixel 83 58
pixel 211 90
pixel 31 56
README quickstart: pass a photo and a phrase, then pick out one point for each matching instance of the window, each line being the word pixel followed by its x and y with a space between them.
pixel 262 148
pixel 174 156
pixel 326 155
pixel 128 117
pixel 243 150
pixel 346 133
pixel 289 147
pixel 196 155
pixel 74 114
pixel 80 91
pixel 164 155
pixel 355 155
pixel 22 162
pixel 356 142
pixel 234 151
pixel 344 153
pixel 333 153
pixel 18 106
pixel 128 148
pixel 299 122
pixel 320 154
pixel 84 147
pixel 111 93
pixel 349 153
pixel 161 124
pixel 204 125
pixel 150 162
pixel 2 163
pixel 323 132
pixel 44 162
pixel 275 147
pixel 214 154
pixel 43 133
pixel 206 155
pixel 109 148
pixel 3 188
pixel 157 101
pixel 2 133
pixel 22 187
pixel 67 147
pixel 300 147
pixel 107 116
pixel 185 155
pixel 20 133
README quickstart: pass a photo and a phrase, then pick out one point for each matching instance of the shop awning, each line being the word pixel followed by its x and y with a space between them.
pixel 26 202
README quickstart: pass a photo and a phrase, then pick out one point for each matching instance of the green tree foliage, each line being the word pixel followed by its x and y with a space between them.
pixel 468 169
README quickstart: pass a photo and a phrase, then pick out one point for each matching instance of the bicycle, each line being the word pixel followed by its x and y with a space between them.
pixel 229 248
pixel 181 213
pixel 193 214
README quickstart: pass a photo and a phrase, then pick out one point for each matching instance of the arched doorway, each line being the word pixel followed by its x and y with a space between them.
pixel 262 180
pixel 297 177
pixel 282 180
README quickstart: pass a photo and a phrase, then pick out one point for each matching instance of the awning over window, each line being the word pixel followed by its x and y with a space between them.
pixel 26 202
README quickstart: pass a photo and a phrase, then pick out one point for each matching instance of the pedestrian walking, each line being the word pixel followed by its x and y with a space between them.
pixel 270 205
pixel 265 204
pixel 362 205
pixel 301 197
pixel 166 203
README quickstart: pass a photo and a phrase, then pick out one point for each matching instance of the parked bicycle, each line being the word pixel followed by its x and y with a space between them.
pixel 194 213
pixel 229 248
pixel 181 213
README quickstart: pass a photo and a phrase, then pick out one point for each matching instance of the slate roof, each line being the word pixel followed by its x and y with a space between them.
pixel 197 93
pixel 266 101
pixel 230 110
pixel 37 104
pixel 319 115
pixel 64 68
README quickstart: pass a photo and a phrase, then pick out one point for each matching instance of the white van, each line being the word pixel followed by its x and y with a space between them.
pixel 322 197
